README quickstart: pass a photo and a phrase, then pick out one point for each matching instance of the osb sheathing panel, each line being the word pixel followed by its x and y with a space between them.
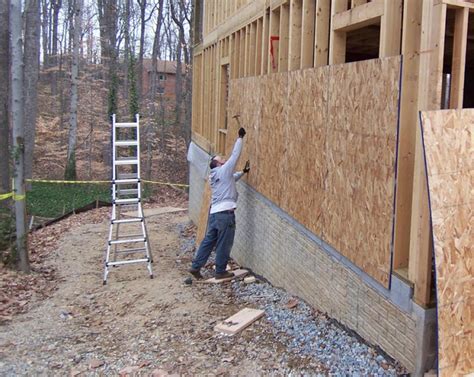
pixel 303 178
pixel 272 136
pixel 204 213
pixel 449 152
pixel 360 155
pixel 325 152
pixel 247 91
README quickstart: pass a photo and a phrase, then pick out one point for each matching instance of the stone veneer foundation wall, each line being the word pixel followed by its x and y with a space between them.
pixel 275 246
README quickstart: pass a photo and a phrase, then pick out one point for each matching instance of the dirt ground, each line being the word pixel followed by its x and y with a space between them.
pixel 133 325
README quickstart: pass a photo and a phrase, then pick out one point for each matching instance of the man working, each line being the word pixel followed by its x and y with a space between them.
pixel 221 223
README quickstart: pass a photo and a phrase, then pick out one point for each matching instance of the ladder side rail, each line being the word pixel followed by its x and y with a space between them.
pixel 137 119
pixel 114 167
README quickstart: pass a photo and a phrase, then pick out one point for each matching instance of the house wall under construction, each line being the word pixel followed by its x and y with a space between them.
pixel 336 207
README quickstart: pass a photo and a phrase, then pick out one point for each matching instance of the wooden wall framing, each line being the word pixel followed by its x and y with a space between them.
pixel 312 33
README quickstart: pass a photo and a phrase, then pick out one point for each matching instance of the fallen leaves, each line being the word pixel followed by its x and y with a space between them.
pixel 292 303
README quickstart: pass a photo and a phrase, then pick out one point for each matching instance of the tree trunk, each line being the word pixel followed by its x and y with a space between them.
pixel 56 5
pixel 150 134
pixel 18 134
pixel 142 4
pixel 71 149
pixel 5 185
pixel 178 16
pixel 31 74
pixel 126 31
pixel 44 31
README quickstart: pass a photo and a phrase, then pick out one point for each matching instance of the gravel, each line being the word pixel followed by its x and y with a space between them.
pixel 311 334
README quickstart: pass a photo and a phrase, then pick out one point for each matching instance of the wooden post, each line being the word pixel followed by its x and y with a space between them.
pixel 252 48
pixel 321 33
pixel 407 132
pixel 274 50
pixel 265 41
pixel 242 54
pixel 284 38
pixel 307 37
pixel 337 49
pixel 295 37
pixel 459 58
pixel 390 28
pixel 429 97
pixel 258 46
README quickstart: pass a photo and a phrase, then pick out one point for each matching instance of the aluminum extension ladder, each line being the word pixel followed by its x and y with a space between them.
pixel 127 212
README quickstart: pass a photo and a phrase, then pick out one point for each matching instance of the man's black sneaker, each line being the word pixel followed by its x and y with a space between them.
pixel 196 273
pixel 224 275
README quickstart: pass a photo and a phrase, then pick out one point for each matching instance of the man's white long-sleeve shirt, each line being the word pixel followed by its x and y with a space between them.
pixel 222 180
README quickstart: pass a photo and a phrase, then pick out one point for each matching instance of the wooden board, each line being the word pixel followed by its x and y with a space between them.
pixel 239 321
pixel 325 152
pixel 248 91
pixel 204 213
pixel 240 273
pixel 448 143
pixel 305 164
pixel 272 136
pixel 360 155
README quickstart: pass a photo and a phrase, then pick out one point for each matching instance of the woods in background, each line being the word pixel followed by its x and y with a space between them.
pixel 84 60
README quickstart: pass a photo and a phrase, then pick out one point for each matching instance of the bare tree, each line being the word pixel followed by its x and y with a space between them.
pixel 56 8
pixel 18 133
pixel 143 4
pixel 5 83
pixel 72 140
pixel 150 130
pixel 44 30
pixel 180 15
pixel 31 74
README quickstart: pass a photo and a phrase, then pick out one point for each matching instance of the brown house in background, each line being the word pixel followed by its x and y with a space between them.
pixel 166 77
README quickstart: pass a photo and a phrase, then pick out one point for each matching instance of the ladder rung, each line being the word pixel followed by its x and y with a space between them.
pixel 126 125
pixel 115 242
pixel 126 143
pixel 129 236
pixel 126 221
pixel 127 191
pixel 126 161
pixel 130 251
pixel 127 262
pixel 126 181
pixel 127 201
pixel 127 175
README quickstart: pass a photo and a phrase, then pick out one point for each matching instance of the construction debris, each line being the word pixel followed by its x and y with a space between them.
pixel 249 279
pixel 239 321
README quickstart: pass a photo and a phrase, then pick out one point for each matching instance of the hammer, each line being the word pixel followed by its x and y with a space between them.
pixel 237 116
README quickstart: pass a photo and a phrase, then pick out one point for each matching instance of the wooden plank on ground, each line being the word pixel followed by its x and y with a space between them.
pixel 448 145
pixel 240 273
pixel 239 321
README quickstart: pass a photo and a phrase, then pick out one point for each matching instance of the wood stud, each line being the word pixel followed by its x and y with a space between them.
pixel 459 58
pixel 295 37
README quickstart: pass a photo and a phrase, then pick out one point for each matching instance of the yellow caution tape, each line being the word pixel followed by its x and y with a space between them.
pixel 165 183
pixel 98 182
pixel 60 181
pixel 6 196
pixel 12 195
pixel 22 197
